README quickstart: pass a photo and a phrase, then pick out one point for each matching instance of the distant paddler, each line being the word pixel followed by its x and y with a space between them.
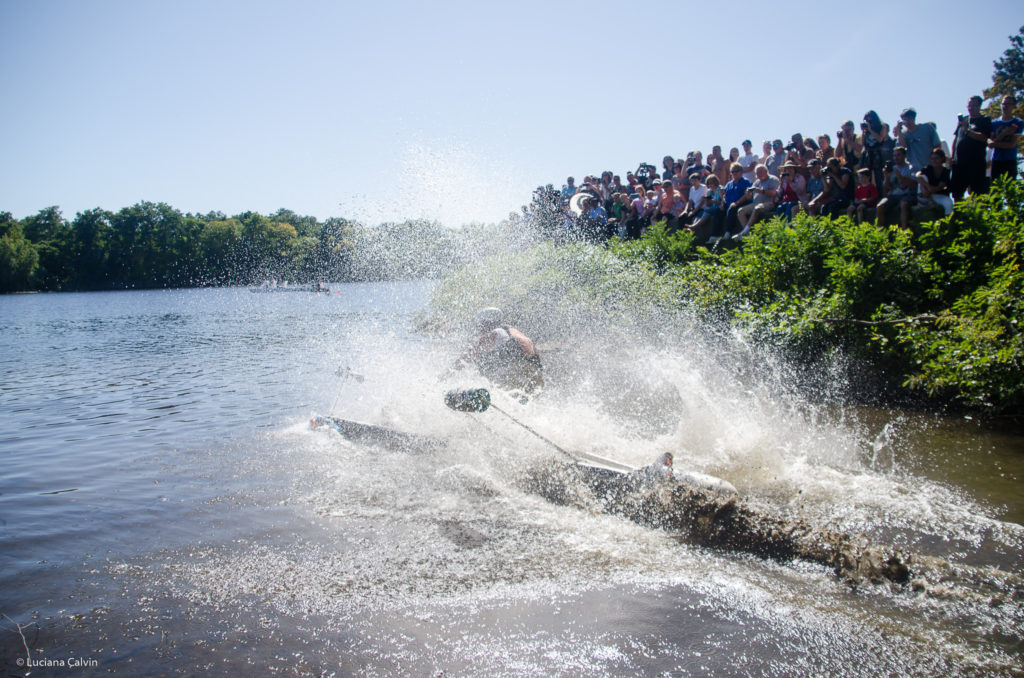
pixel 503 354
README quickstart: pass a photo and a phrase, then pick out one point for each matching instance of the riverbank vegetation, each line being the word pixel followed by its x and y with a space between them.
pixel 931 312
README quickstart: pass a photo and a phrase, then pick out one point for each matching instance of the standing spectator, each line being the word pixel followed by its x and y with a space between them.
pixel 877 144
pixel 1005 131
pixel 696 165
pixel 604 188
pixel 933 181
pixel 900 188
pixel 760 201
pixel 569 190
pixel 719 165
pixel 969 144
pixel 678 178
pixel 825 150
pixel 865 197
pixel 776 159
pixel 666 166
pixel 735 190
pixel 848 147
pixel 804 154
pixel 919 140
pixel 617 186
pixel 747 161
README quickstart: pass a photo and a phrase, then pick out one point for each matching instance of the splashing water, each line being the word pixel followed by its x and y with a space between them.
pixel 221 530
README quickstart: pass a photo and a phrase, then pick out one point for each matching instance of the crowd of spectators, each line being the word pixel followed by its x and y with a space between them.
pixel 877 173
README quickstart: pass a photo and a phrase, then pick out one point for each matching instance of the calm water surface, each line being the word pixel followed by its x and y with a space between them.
pixel 165 509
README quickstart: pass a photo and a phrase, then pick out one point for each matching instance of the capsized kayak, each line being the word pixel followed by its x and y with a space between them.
pixel 378 435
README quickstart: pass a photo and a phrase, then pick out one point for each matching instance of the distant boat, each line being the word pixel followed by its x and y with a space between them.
pixel 274 286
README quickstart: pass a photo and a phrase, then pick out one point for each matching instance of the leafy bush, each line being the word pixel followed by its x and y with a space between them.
pixel 936 313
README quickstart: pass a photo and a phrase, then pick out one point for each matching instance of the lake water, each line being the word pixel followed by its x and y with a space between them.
pixel 166 509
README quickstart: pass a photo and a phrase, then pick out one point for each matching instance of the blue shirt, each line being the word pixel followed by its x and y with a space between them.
pixel 815 185
pixel 735 189
pixel 919 145
pixel 598 214
pixel 1003 154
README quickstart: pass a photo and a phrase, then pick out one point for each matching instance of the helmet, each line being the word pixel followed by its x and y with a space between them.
pixel 489 317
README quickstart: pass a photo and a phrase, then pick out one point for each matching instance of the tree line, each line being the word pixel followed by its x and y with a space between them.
pixel 154 245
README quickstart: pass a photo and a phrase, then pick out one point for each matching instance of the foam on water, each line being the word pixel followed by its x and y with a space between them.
pixel 315 545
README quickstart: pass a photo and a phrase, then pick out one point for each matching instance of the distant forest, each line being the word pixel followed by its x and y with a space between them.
pixel 153 245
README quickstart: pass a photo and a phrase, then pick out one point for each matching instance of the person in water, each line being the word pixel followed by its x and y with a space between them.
pixel 503 354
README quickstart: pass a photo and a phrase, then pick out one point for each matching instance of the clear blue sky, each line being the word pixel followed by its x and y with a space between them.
pixel 451 110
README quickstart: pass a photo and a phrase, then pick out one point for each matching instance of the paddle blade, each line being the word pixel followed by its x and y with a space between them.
pixel 468 399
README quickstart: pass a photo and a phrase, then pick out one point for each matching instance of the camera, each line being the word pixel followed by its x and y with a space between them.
pixel 790 147
pixel 888 166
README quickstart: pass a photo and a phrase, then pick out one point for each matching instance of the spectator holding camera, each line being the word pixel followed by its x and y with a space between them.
pixel 919 140
pixel 802 152
pixel 789 190
pixel 969 145
pixel 877 144
pixel 848 147
pixel 900 188
pixel 837 192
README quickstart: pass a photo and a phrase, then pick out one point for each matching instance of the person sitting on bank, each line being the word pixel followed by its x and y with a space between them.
pixel 503 354
pixel 865 197
pixel 900 189
pixel 758 202
pixel 933 183
pixel 837 193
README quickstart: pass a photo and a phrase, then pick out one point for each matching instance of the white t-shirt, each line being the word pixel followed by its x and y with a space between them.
pixel 748 162
pixel 697 194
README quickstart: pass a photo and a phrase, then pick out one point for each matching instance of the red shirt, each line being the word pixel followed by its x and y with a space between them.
pixel 867 193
